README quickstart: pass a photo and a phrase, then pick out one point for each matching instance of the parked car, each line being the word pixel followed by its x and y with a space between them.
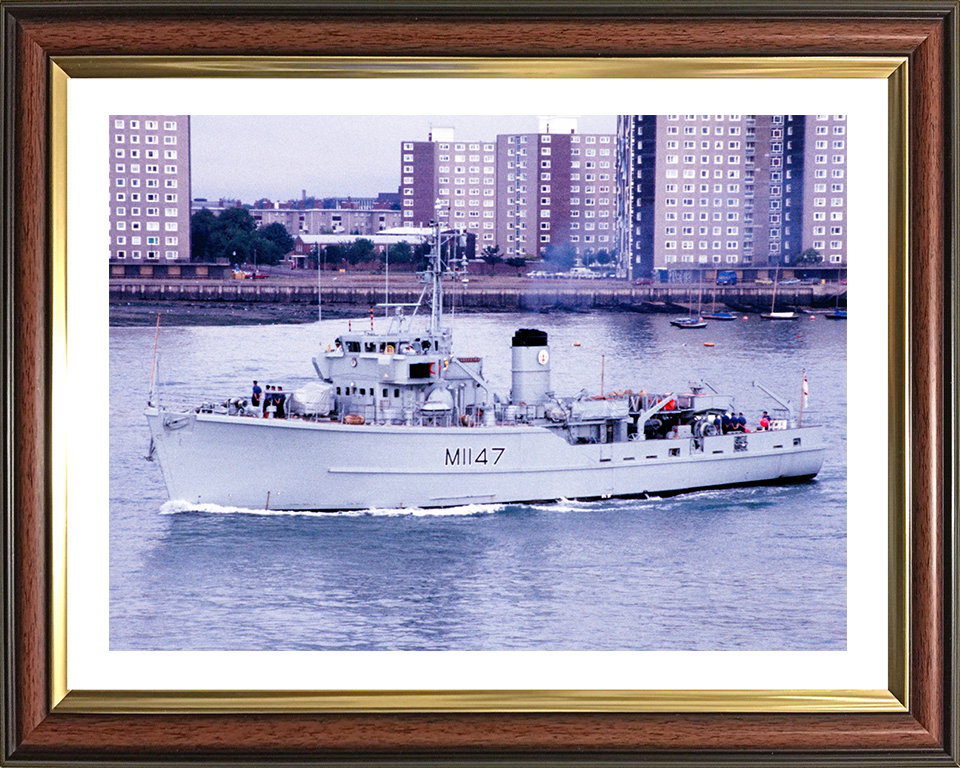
pixel 811 281
pixel 258 275
pixel 790 281
pixel 643 281
pixel 726 277
pixel 763 281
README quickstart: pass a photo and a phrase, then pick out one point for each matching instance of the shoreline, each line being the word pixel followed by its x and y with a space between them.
pixel 294 299
pixel 194 313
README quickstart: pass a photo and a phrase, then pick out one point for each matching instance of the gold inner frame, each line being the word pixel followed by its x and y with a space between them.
pixel 895 699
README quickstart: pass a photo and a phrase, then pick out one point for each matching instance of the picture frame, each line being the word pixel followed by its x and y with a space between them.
pixel 917 718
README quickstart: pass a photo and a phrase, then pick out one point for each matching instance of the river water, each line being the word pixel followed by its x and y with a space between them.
pixel 738 569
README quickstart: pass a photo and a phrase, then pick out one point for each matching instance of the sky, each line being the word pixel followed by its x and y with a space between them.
pixel 277 157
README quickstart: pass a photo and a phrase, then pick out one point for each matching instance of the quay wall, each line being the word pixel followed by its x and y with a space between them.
pixel 521 295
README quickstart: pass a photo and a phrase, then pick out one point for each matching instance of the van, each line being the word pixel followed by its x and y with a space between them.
pixel 726 277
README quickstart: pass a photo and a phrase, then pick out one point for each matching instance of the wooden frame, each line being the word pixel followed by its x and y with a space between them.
pixel 924 32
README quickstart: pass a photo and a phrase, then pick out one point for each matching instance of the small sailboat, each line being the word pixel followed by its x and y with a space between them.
pixel 837 314
pixel 691 321
pixel 773 314
pixel 688 322
pixel 713 314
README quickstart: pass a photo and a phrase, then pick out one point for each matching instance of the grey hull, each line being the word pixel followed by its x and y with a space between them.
pixel 302 465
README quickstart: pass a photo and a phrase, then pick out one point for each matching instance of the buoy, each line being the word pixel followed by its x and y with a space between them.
pixel 744 317
pixel 576 343
pixel 813 317
pixel 708 343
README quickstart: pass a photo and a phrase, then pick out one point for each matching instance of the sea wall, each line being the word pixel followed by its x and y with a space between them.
pixel 496 295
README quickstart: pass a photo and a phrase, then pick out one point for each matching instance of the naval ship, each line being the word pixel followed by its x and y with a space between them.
pixel 398 419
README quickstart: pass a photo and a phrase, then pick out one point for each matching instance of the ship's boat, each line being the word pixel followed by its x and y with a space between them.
pixel 397 418
pixel 786 315
pixel 688 322
pixel 719 316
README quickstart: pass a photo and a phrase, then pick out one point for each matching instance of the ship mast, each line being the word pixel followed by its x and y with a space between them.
pixel 436 275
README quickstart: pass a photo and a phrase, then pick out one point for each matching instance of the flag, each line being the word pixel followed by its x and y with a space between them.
pixel 806 391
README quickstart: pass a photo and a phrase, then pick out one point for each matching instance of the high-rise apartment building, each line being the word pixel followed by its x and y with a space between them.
pixel 819 153
pixel 729 191
pixel 523 192
pixel 555 189
pixel 150 187
pixel 453 182
pixel 681 190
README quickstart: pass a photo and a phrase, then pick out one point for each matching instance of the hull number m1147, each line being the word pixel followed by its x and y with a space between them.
pixel 466 457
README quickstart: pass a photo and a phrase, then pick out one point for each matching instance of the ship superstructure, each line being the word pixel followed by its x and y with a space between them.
pixel 397 418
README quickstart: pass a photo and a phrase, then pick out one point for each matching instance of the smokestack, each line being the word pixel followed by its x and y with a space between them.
pixel 531 366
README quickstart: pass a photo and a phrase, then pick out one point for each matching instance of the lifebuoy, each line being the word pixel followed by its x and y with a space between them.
pixel 390 349
pixel 433 369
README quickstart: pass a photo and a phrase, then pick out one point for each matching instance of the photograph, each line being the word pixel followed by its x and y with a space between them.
pixel 478 383
pixel 450 397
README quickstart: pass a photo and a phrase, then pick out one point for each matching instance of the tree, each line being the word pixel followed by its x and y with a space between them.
pixel 237 220
pixel 359 250
pixel 335 253
pixel 202 225
pixel 401 253
pixel 273 242
pixel 561 257
pixel 518 263
pixel 492 256
pixel 603 257
pixel 234 235
pixel 809 256
pixel 421 257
